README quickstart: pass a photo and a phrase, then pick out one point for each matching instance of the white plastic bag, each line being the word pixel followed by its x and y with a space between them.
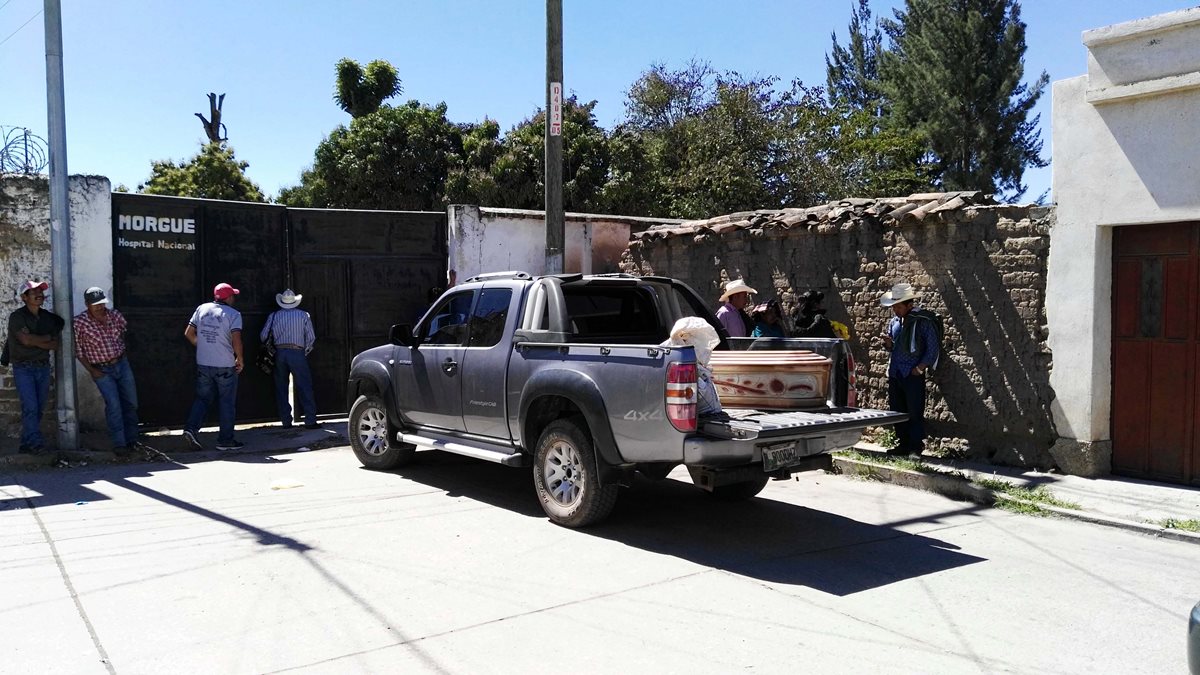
pixel 694 332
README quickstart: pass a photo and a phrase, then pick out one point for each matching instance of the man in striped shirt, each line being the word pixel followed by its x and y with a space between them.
pixel 290 331
pixel 100 347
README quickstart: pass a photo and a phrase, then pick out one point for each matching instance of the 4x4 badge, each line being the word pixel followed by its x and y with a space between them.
pixel 641 415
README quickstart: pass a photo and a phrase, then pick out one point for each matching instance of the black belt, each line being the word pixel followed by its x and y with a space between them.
pixel 102 364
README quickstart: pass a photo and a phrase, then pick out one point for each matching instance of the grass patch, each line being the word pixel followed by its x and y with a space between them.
pixel 1036 496
pixel 885 436
pixel 1023 508
pixel 895 462
pixel 1192 525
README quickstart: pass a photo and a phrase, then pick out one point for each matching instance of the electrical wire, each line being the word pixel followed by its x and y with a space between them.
pixel 18 30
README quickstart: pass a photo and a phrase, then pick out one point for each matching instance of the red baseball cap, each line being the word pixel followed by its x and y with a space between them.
pixel 223 291
pixel 32 285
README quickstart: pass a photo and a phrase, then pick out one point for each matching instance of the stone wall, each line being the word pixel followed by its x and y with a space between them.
pixel 982 266
pixel 25 254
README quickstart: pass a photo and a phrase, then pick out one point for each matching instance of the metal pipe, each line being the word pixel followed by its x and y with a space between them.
pixel 60 229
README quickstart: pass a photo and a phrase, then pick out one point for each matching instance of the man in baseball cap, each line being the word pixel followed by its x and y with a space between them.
pixel 100 347
pixel 215 330
pixel 32 334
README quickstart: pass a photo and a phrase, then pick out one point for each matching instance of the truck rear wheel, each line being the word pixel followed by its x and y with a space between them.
pixel 373 439
pixel 564 473
pixel 740 491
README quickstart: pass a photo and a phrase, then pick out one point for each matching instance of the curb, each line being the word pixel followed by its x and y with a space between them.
pixel 961 489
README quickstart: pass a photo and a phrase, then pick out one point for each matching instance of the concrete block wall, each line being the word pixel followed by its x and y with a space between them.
pixel 982 267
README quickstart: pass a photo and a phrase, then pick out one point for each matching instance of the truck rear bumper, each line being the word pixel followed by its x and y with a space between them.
pixel 717 452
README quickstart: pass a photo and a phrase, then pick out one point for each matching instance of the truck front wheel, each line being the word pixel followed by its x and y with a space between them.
pixel 373 439
pixel 564 473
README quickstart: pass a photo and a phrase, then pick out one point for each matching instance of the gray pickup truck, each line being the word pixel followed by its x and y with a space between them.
pixel 566 374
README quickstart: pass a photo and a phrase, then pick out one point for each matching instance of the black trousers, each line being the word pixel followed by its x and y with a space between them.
pixel 907 395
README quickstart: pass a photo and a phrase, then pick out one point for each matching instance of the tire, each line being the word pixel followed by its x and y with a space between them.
pixel 373 438
pixel 564 474
pixel 735 492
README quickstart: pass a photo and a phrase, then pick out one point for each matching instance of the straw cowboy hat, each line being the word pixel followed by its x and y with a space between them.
pixel 288 299
pixel 734 287
pixel 899 293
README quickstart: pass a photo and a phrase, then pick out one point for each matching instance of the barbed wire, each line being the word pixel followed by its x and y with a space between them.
pixel 21 151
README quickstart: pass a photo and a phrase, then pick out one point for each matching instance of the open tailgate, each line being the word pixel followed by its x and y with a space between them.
pixel 749 423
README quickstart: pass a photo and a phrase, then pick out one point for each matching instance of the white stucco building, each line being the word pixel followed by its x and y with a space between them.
pixel 1126 181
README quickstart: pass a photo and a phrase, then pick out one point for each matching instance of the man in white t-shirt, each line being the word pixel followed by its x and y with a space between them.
pixel 215 329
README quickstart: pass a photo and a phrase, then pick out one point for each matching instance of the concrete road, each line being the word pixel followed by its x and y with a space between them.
pixel 307 563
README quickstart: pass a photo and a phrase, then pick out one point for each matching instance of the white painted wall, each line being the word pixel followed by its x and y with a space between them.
pixel 26 225
pixel 1126 152
pixel 483 239
pixel 91 265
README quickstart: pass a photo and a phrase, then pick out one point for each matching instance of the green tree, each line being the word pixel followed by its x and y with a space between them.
pixel 511 173
pixel 852 72
pixel 695 143
pixel 360 92
pixel 953 74
pixel 394 158
pixel 214 173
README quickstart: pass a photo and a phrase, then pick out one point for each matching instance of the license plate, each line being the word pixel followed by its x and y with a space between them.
pixel 780 455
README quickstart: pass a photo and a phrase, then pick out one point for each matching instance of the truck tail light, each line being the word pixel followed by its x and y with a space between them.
pixel 851 380
pixel 681 396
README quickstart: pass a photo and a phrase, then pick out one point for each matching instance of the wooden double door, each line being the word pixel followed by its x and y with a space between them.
pixel 1156 352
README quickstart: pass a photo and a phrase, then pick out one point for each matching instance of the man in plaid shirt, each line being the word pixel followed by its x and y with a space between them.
pixel 100 347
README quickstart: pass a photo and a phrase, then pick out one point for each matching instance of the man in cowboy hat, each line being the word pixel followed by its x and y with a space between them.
pixel 215 330
pixel 913 342
pixel 100 347
pixel 732 313
pixel 32 334
pixel 290 331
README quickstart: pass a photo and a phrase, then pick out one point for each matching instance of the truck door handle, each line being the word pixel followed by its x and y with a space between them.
pixel 449 366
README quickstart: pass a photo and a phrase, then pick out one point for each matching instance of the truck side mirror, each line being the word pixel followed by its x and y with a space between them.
pixel 401 335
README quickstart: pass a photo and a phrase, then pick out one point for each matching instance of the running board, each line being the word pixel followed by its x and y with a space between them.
pixel 486 454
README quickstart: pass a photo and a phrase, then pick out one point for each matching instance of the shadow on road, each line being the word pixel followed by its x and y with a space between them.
pixel 761 538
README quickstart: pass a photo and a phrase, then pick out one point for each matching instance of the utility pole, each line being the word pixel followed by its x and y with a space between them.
pixel 554 114
pixel 60 229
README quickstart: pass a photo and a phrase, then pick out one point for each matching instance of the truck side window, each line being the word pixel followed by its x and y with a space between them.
pixel 613 314
pixel 448 322
pixel 491 313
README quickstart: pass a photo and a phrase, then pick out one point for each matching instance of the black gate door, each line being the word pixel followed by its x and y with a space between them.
pixel 359 272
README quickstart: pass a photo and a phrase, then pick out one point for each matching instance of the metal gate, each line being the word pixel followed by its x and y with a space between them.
pixel 1156 351
pixel 359 272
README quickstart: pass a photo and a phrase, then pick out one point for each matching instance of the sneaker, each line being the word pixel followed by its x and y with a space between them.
pixel 231 445
pixel 123 451
pixel 314 425
pixel 191 438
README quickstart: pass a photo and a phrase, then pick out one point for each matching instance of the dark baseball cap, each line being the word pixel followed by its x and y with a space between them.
pixel 95 296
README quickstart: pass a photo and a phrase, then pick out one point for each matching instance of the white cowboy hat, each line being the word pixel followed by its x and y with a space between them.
pixel 288 299
pixel 734 287
pixel 899 293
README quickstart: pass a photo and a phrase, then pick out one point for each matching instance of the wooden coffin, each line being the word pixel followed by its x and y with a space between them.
pixel 771 378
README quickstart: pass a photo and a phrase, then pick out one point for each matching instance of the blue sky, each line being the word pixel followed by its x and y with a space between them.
pixel 137 70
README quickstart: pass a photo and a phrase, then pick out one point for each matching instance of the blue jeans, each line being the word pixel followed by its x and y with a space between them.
pixel 219 383
pixel 907 395
pixel 33 388
pixel 120 402
pixel 293 361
